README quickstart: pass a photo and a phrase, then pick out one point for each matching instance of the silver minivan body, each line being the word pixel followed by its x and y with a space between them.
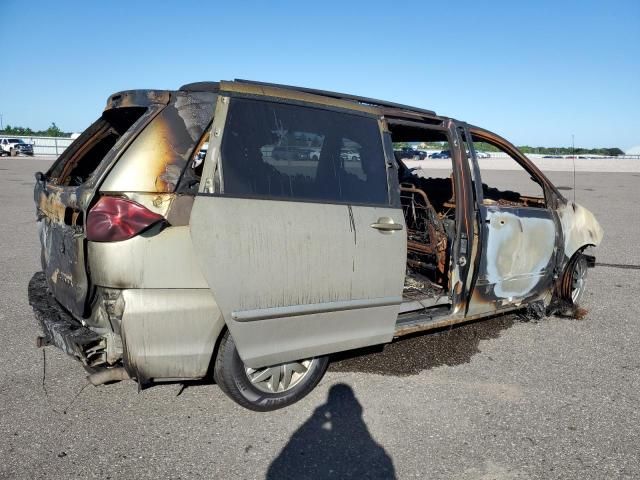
pixel 288 277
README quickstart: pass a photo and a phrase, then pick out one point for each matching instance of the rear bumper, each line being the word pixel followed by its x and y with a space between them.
pixel 58 326
pixel 169 333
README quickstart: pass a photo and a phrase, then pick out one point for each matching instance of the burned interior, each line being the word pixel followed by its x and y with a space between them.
pixel 77 163
pixel 429 206
pixel 495 191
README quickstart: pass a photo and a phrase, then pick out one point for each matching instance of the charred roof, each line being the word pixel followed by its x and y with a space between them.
pixel 385 107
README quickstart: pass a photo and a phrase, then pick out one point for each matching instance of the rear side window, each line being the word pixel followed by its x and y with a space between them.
pixel 156 159
pixel 275 150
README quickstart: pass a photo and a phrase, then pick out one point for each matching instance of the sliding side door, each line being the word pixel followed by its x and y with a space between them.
pixel 295 230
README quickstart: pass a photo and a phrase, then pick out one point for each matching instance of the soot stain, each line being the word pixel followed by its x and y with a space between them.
pixel 411 355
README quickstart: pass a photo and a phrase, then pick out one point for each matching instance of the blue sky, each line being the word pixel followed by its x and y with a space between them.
pixel 535 72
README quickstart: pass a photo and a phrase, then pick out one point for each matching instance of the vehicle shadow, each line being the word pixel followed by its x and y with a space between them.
pixel 333 443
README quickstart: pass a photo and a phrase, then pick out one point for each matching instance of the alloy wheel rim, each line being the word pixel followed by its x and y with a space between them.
pixel 578 280
pixel 279 378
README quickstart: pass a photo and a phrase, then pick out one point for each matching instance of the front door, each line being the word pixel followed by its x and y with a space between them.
pixel 295 231
pixel 519 234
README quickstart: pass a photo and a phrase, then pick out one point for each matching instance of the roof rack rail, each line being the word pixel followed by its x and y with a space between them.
pixel 342 96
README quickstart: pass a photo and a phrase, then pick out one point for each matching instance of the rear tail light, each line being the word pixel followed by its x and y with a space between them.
pixel 113 219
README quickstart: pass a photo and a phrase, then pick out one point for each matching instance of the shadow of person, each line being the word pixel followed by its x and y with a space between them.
pixel 334 443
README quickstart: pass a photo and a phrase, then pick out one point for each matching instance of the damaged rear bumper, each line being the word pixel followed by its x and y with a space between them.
pixel 59 327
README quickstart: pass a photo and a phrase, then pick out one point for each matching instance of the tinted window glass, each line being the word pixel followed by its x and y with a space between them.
pixel 277 150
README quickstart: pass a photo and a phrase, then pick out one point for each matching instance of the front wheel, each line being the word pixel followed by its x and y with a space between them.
pixel 576 279
pixel 267 388
pixel 572 286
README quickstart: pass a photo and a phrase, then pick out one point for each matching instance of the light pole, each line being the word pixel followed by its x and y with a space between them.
pixel 573 157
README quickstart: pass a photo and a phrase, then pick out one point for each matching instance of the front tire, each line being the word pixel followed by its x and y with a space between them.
pixel 575 280
pixel 572 287
pixel 269 388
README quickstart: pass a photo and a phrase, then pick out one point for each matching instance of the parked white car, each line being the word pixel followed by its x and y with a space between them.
pixel 14 146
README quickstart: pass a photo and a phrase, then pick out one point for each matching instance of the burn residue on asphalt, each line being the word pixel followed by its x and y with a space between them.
pixel 411 355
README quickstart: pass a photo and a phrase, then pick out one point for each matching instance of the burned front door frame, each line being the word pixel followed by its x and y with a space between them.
pixel 462 251
pixel 484 302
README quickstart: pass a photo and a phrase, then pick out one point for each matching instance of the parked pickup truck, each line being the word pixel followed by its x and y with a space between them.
pixel 159 268
pixel 15 146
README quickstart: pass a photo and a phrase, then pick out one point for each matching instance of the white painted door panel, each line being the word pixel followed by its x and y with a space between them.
pixel 519 246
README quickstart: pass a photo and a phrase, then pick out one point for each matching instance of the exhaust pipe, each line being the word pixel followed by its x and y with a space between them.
pixel 108 375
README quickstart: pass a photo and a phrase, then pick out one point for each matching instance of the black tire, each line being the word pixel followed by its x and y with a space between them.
pixel 574 279
pixel 230 374
pixel 567 300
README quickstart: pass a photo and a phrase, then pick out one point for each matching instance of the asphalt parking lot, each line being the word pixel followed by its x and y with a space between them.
pixel 499 399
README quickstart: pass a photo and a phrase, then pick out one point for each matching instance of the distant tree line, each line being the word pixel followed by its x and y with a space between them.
pixel 52 131
pixel 485 147
pixel 609 152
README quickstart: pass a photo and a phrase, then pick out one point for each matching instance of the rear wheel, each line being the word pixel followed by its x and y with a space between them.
pixel 267 388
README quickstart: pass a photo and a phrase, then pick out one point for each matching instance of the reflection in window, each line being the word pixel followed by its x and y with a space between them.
pixel 276 150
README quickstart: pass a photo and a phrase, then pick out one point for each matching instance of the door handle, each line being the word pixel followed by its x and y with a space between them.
pixel 386 224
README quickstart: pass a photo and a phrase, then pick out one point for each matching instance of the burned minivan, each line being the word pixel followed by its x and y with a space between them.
pixel 246 231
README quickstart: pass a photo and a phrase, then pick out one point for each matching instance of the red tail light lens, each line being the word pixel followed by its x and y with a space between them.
pixel 113 219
